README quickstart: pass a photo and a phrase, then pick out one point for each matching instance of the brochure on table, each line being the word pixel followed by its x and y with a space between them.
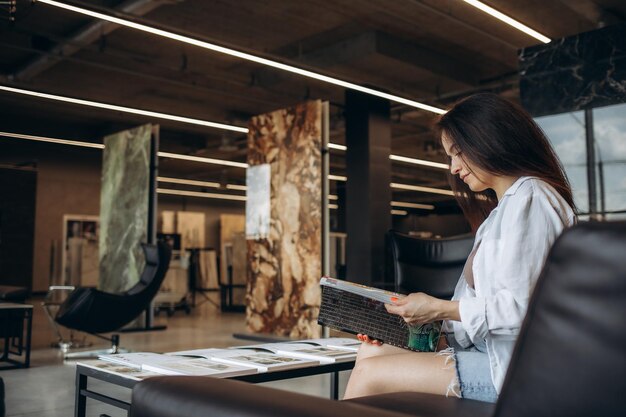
pixel 138 359
pixel 180 364
pixel 235 361
pixel 200 367
pixel 262 359
pixel 322 354
pixel 346 343
pixel 120 370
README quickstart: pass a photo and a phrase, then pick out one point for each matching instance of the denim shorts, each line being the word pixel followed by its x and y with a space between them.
pixel 474 373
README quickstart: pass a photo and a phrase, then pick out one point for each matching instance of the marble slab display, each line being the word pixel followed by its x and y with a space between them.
pixel 124 208
pixel 578 72
pixel 284 268
pixel 232 251
pixel 168 221
pixel 191 227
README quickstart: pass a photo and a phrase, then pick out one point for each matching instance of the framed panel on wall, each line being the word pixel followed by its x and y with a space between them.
pixel 80 257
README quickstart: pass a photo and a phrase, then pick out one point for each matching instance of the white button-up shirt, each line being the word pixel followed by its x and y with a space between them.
pixel 511 247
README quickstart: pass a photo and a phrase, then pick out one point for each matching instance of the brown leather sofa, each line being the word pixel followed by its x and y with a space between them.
pixel 569 360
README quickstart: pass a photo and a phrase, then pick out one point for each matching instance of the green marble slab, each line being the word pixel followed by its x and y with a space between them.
pixel 124 208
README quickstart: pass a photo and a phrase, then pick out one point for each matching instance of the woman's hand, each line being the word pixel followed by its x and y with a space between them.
pixel 365 339
pixel 419 308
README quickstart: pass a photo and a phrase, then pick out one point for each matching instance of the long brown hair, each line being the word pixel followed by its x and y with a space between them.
pixel 501 138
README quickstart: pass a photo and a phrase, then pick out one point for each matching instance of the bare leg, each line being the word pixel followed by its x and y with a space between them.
pixel 405 371
pixel 367 350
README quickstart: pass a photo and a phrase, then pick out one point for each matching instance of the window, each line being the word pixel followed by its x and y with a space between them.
pixel 609 128
pixel 566 133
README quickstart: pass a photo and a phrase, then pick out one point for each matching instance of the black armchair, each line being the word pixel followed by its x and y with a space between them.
pixel 432 266
pixel 569 359
pixel 93 311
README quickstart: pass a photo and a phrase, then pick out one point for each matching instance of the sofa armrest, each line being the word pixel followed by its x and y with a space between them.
pixel 188 396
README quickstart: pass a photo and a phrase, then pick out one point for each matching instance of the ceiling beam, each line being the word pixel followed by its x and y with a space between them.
pixel 343 52
pixel 430 60
pixel 85 36
pixel 370 43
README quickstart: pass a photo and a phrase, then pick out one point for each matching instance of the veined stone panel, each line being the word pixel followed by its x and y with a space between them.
pixel 124 207
pixel 283 294
pixel 579 72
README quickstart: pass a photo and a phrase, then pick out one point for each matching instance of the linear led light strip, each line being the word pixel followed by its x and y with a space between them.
pixel 396 203
pixel 421 189
pixel 395 212
pixel 188 182
pixel 419 162
pixel 160 179
pixel 337 146
pixel 399 158
pixel 243 55
pixel 53 140
pixel 413 205
pixel 172 117
pixel 243 198
pixel 401 186
pixel 185 181
pixel 243 188
pixel 201 183
pixel 125 109
pixel 508 20
pixel 101 146
pixel 203 160
pixel 201 194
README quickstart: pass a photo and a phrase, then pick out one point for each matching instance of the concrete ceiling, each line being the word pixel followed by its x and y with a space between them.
pixel 434 51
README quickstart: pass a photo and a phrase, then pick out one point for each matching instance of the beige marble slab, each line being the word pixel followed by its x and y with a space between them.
pixel 283 293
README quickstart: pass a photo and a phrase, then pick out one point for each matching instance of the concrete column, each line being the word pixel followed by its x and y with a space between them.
pixel 368 193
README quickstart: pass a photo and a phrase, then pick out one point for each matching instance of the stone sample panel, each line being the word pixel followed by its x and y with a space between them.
pixel 578 72
pixel 124 208
pixel 284 268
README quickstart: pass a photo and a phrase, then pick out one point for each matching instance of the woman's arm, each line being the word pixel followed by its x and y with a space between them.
pixel 418 308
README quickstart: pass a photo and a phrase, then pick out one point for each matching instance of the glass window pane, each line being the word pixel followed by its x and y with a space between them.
pixel 609 128
pixel 566 132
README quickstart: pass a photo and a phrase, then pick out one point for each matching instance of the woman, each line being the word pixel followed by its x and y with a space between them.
pixel 515 195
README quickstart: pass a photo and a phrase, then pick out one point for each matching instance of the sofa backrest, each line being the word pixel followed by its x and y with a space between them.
pixel 570 357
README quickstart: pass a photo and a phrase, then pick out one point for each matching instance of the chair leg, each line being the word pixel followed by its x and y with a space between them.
pixel 115 343
pixel 115 348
